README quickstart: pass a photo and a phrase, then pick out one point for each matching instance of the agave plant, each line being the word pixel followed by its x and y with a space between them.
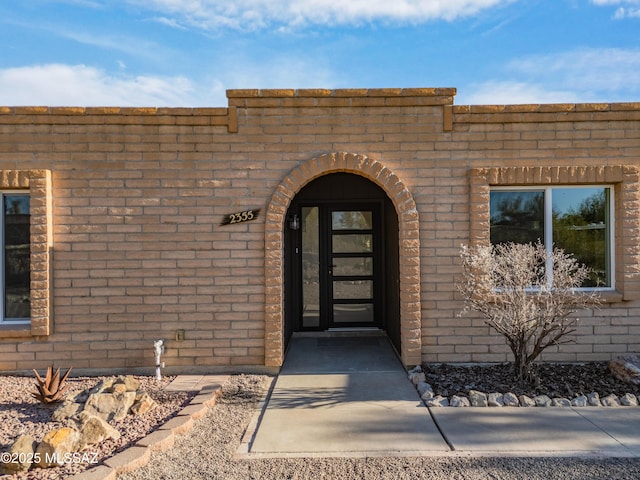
pixel 52 388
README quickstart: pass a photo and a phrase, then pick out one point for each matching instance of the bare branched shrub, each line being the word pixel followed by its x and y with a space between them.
pixel 510 286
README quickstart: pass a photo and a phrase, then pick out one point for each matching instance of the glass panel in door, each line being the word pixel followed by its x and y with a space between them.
pixel 310 267
pixel 344 266
pixel 353 314
pixel 352 243
pixel 351 220
pixel 351 257
pixel 352 289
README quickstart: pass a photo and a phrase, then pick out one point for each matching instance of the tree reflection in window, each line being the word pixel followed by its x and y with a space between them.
pixel 580 227
pixel 17 262
pixel 517 216
pixel 579 224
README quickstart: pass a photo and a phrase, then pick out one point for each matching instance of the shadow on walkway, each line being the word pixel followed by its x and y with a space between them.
pixel 340 395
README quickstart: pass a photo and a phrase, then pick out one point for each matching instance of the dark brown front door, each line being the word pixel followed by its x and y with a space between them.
pixel 341 274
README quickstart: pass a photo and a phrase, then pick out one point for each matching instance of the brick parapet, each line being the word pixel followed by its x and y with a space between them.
pixel 346 92
pixel 545 113
pixel 119 111
pixel 352 97
pixel 120 116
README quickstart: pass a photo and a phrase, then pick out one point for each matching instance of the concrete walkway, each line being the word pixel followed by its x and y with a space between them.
pixel 551 431
pixel 344 396
pixel 350 396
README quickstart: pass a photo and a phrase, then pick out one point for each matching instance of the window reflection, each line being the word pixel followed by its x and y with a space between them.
pixel 580 227
pixel 17 261
pixel 353 313
pixel 352 220
pixel 352 289
pixel 517 216
pixel 579 223
pixel 352 243
pixel 352 266
pixel 310 267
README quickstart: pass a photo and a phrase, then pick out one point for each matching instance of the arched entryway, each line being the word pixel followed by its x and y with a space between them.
pixel 377 185
pixel 341 258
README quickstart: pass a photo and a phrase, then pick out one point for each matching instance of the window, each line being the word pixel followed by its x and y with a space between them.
pixel 16 258
pixel 575 219
pixel 26 244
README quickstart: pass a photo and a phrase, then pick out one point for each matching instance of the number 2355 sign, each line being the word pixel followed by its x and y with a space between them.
pixel 240 217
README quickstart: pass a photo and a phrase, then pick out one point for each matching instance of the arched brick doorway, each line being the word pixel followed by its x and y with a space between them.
pixel 408 241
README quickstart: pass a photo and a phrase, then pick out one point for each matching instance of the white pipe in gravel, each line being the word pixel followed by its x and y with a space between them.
pixel 158 347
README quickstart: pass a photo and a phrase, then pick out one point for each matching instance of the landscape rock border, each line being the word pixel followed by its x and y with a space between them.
pixel 138 455
pixel 476 398
pixel 85 418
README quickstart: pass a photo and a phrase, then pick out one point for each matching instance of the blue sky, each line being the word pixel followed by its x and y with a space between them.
pixel 188 52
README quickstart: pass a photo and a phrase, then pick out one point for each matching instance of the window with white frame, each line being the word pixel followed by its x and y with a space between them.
pixel 16 258
pixel 577 219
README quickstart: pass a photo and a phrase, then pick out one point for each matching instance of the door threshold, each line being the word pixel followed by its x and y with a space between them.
pixel 354 329
pixel 336 332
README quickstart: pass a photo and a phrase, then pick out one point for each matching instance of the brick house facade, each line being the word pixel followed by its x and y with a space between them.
pixel 131 237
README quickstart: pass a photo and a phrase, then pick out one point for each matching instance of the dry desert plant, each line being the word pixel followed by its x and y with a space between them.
pixel 527 294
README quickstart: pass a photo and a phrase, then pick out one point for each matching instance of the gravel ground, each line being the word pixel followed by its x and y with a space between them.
pixel 555 380
pixel 22 414
pixel 208 452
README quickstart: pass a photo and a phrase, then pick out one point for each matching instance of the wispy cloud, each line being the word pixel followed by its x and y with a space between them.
pixel 604 70
pixel 513 93
pixel 138 47
pixel 627 8
pixel 627 13
pixel 615 2
pixel 260 14
pixel 583 75
pixel 84 3
pixel 284 71
pixel 79 85
pixel 169 22
pixel 134 45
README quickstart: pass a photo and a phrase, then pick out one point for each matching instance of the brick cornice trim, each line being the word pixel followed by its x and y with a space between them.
pixel 546 113
pixel 341 92
pixel 215 117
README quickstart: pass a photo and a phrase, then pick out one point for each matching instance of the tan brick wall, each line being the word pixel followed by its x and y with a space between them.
pixel 136 195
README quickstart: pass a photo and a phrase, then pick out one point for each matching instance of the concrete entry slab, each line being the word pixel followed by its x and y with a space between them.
pixel 340 353
pixel 620 423
pixel 344 395
pixel 532 431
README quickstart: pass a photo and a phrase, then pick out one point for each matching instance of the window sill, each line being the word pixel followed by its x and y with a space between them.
pixel 15 331
pixel 611 296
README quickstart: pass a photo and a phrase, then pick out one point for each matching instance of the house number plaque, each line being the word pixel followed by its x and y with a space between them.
pixel 240 217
